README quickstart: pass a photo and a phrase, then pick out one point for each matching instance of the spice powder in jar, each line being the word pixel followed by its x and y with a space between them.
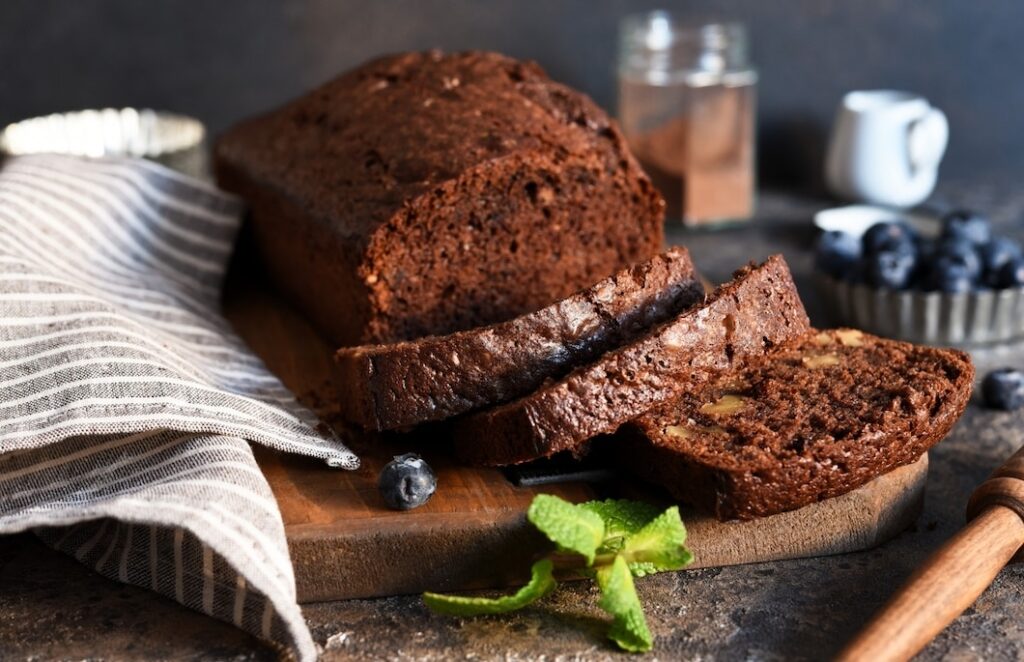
pixel 687 100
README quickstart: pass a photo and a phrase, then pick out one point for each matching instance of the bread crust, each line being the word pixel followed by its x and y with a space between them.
pixel 392 386
pixel 812 429
pixel 757 310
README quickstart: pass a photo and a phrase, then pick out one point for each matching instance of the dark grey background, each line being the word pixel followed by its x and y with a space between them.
pixel 225 59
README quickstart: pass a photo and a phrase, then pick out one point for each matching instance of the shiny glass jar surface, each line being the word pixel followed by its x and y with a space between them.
pixel 687 98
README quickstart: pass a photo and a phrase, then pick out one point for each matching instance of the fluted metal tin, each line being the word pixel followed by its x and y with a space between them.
pixel 965 319
pixel 177 141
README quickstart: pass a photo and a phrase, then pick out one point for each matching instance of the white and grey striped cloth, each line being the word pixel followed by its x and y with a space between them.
pixel 127 402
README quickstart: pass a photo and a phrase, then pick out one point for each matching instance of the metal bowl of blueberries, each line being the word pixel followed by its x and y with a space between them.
pixel 950 281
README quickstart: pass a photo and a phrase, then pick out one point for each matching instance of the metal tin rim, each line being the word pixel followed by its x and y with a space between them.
pixel 109 131
pixel 980 317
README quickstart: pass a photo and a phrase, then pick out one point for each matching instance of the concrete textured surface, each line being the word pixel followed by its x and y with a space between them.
pixel 51 608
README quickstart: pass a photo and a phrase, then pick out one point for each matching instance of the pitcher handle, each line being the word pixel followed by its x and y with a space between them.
pixel 926 140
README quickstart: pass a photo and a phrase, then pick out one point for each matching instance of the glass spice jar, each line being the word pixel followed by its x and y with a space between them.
pixel 687 99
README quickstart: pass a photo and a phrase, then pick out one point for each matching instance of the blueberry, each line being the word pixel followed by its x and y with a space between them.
pixel 964 224
pixel 894 236
pixel 962 251
pixel 858 273
pixel 837 253
pixel 927 248
pixel 1011 274
pixel 891 269
pixel 1003 389
pixel 407 482
pixel 948 274
pixel 995 254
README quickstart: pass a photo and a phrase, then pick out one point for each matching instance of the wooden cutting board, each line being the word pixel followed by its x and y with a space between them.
pixel 472 534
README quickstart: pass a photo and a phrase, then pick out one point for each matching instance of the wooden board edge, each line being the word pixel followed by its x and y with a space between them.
pixel 449 558
pixel 855 521
pixel 468 555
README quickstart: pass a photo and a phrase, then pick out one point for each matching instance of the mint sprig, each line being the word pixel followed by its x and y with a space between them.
pixel 541 583
pixel 659 545
pixel 619 598
pixel 612 540
pixel 571 527
pixel 621 517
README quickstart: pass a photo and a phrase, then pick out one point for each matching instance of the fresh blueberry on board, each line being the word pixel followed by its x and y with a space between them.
pixel 1003 389
pixel 895 236
pixel 890 269
pixel 837 253
pixel 948 274
pixel 967 225
pixel 1011 274
pixel 995 254
pixel 406 482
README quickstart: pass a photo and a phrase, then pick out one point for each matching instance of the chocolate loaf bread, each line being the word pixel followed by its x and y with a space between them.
pixel 813 420
pixel 386 387
pixel 425 193
pixel 746 317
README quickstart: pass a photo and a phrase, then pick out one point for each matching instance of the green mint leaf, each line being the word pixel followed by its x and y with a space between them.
pixel 541 583
pixel 658 546
pixel 569 526
pixel 621 518
pixel 619 598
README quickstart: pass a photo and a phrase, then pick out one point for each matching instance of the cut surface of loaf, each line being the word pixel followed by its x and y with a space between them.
pixel 386 387
pixel 746 317
pixel 813 420
pixel 425 193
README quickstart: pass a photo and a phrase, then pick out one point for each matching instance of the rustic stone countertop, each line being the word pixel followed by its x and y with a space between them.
pixel 51 608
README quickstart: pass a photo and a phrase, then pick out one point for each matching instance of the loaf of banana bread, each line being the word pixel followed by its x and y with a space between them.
pixel 747 317
pixel 386 387
pixel 814 419
pixel 426 193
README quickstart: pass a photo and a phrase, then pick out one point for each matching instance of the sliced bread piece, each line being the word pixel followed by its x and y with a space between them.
pixel 386 387
pixel 813 420
pixel 754 312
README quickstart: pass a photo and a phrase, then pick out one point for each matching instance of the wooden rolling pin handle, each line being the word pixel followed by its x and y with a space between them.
pixel 953 577
pixel 1005 487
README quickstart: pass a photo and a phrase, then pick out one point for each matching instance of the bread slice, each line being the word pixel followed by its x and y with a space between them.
pixel 386 387
pixel 746 317
pixel 813 420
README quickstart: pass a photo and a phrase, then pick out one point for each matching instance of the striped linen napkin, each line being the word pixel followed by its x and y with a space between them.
pixel 127 403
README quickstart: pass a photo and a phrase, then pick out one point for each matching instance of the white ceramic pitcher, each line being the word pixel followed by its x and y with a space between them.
pixel 885 148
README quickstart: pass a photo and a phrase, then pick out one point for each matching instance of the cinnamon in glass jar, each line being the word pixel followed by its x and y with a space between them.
pixel 687 106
